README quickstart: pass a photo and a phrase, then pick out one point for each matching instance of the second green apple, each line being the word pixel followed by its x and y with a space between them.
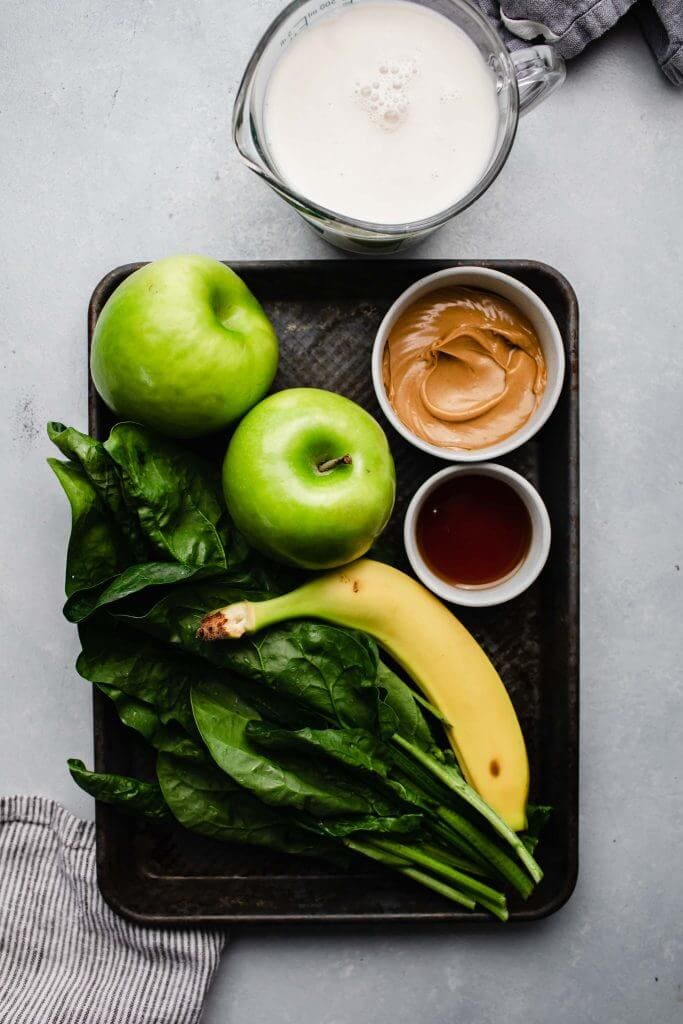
pixel 309 479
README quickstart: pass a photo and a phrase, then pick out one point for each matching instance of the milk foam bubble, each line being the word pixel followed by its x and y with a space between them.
pixel 385 94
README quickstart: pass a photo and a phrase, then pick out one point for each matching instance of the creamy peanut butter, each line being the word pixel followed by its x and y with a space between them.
pixel 463 368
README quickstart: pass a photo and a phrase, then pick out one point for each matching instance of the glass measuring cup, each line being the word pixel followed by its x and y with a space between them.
pixel 523 78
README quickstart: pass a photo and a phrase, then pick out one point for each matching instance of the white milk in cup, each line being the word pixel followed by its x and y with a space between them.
pixel 383 111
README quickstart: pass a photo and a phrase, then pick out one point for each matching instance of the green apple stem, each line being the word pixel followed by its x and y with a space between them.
pixel 330 464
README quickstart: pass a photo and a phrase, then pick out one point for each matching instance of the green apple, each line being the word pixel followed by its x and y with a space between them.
pixel 309 479
pixel 184 347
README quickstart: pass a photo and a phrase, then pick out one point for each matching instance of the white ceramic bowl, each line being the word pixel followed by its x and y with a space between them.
pixel 529 303
pixel 511 586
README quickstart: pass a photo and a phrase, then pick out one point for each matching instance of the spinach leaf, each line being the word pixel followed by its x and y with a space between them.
pixel 399 711
pixel 101 471
pixel 96 551
pixel 177 496
pixel 339 828
pixel 149 687
pixel 146 721
pixel 134 580
pixel 288 781
pixel 537 817
pixel 141 669
pixel 263 576
pixel 174 621
pixel 162 677
pixel 352 748
pixel 355 749
pixel 130 795
pixel 207 801
pixel 175 618
pixel 321 668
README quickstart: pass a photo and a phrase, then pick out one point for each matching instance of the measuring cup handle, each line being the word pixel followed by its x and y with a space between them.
pixel 539 70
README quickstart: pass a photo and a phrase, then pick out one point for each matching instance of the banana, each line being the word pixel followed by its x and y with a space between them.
pixel 436 650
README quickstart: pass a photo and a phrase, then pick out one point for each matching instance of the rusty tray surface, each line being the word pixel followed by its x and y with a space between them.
pixel 326 314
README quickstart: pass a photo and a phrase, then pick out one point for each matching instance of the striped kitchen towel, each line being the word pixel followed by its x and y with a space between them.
pixel 65 957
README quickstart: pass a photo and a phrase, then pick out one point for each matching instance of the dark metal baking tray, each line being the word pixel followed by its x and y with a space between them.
pixel 326 314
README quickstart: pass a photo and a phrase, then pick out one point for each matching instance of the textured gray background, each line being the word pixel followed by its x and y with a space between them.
pixel 115 146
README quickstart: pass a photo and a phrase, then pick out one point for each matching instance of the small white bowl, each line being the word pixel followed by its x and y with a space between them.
pixel 529 303
pixel 511 586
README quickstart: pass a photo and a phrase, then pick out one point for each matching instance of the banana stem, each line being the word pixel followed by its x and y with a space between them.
pixel 459 786
pixel 234 620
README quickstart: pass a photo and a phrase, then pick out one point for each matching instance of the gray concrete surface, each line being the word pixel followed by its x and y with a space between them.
pixel 115 146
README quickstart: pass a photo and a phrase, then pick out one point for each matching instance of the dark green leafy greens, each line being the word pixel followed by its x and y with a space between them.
pixel 147 685
pixel 355 749
pixel 145 514
pixel 146 720
pixel 162 676
pixel 300 738
pixel 538 816
pixel 399 711
pixel 287 779
pixel 132 580
pixel 130 795
pixel 206 800
pixel 177 497
pixel 91 457
pixel 321 668
pixel 96 553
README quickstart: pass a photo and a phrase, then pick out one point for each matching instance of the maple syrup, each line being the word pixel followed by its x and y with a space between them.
pixel 473 530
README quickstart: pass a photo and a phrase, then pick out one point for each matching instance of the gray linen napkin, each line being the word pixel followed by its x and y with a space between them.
pixel 571 26
pixel 65 957
pixel 662 25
